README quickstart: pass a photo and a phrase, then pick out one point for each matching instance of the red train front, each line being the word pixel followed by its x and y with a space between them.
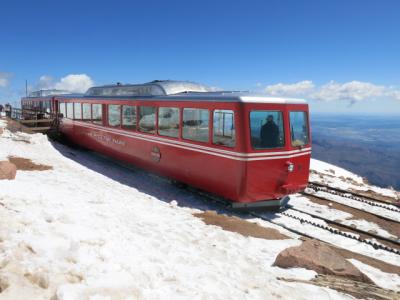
pixel 246 148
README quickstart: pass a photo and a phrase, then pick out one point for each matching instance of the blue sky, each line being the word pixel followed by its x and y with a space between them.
pixel 342 55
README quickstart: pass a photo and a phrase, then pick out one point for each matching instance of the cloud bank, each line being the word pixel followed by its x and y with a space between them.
pixel 4 79
pixel 75 83
pixel 352 92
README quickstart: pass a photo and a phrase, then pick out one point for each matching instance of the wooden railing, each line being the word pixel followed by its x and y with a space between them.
pixel 35 120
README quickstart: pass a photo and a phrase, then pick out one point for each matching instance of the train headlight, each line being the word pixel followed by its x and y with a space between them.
pixel 290 167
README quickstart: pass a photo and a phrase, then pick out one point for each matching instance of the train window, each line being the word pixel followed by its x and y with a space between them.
pixel 168 121
pixel 97 114
pixel 224 128
pixel 114 115
pixel 298 128
pixel 70 110
pixel 147 119
pixel 77 111
pixel 195 124
pixel 129 117
pixel 86 112
pixel 61 109
pixel 267 129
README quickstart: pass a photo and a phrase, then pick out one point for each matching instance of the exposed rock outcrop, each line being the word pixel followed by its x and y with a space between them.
pixel 321 258
pixel 7 170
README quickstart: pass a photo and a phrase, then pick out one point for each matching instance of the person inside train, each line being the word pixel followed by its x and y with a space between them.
pixel 269 133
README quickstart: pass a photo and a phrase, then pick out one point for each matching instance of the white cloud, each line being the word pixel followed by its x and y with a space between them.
pixel 4 79
pixel 352 91
pixel 75 83
pixel 294 89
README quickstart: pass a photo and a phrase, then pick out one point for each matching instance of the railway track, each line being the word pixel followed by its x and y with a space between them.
pixel 287 212
pixel 367 206
pixel 357 197
pixel 395 242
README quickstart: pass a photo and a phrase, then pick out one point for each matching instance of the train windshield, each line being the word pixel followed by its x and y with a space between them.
pixel 299 128
pixel 267 129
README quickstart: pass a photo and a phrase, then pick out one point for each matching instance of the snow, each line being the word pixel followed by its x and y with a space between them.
pixel 340 178
pixel 384 280
pixel 89 229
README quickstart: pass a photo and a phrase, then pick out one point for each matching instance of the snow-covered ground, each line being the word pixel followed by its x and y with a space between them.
pixel 76 233
pixel 89 229
pixel 340 178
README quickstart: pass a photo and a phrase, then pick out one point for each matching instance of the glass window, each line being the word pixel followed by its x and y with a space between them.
pixel 129 117
pixel 195 124
pixel 299 128
pixel 70 110
pixel 147 119
pixel 97 114
pixel 77 111
pixel 114 115
pixel 62 109
pixel 224 128
pixel 86 112
pixel 267 129
pixel 168 121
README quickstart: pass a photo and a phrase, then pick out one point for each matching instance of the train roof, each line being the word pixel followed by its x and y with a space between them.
pixel 170 90
pixel 166 90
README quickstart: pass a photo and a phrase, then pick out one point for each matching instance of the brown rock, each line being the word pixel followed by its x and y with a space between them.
pixel 1 131
pixel 321 258
pixel 7 170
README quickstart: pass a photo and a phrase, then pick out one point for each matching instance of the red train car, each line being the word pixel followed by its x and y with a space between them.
pixel 252 150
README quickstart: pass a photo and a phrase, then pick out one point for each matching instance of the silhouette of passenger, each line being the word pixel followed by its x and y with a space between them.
pixel 269 134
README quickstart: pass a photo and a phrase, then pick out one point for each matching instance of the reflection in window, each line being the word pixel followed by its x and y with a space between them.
pixel 77 111
pixel 224 128
pixel 62 109
pixel 70 110
pixel 267 129
pixel 299 128
pixel 114 115
pixel 147 119
pixel 195 124
pixel 129 117
pixel 97 114
pixel 86 113
pixel 168 121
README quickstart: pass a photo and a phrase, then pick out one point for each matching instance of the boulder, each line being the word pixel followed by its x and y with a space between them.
pixel 7 170
pixel 321 258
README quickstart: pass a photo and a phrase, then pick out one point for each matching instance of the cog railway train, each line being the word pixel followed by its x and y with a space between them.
pixel 253 150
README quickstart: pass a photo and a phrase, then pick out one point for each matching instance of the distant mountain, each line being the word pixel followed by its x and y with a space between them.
pixel 368 146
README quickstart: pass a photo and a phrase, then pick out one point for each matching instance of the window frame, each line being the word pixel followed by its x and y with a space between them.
pixel 139 117
pixel 136 116
pixel 90 112
pixel 67 110
pixel 98 122
pixel 233 130
pixel 305 113
pixel 59 109
pixel 209 131
pixel 284 117
pixel 108 116
pixel 77 104
pixel 180 124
